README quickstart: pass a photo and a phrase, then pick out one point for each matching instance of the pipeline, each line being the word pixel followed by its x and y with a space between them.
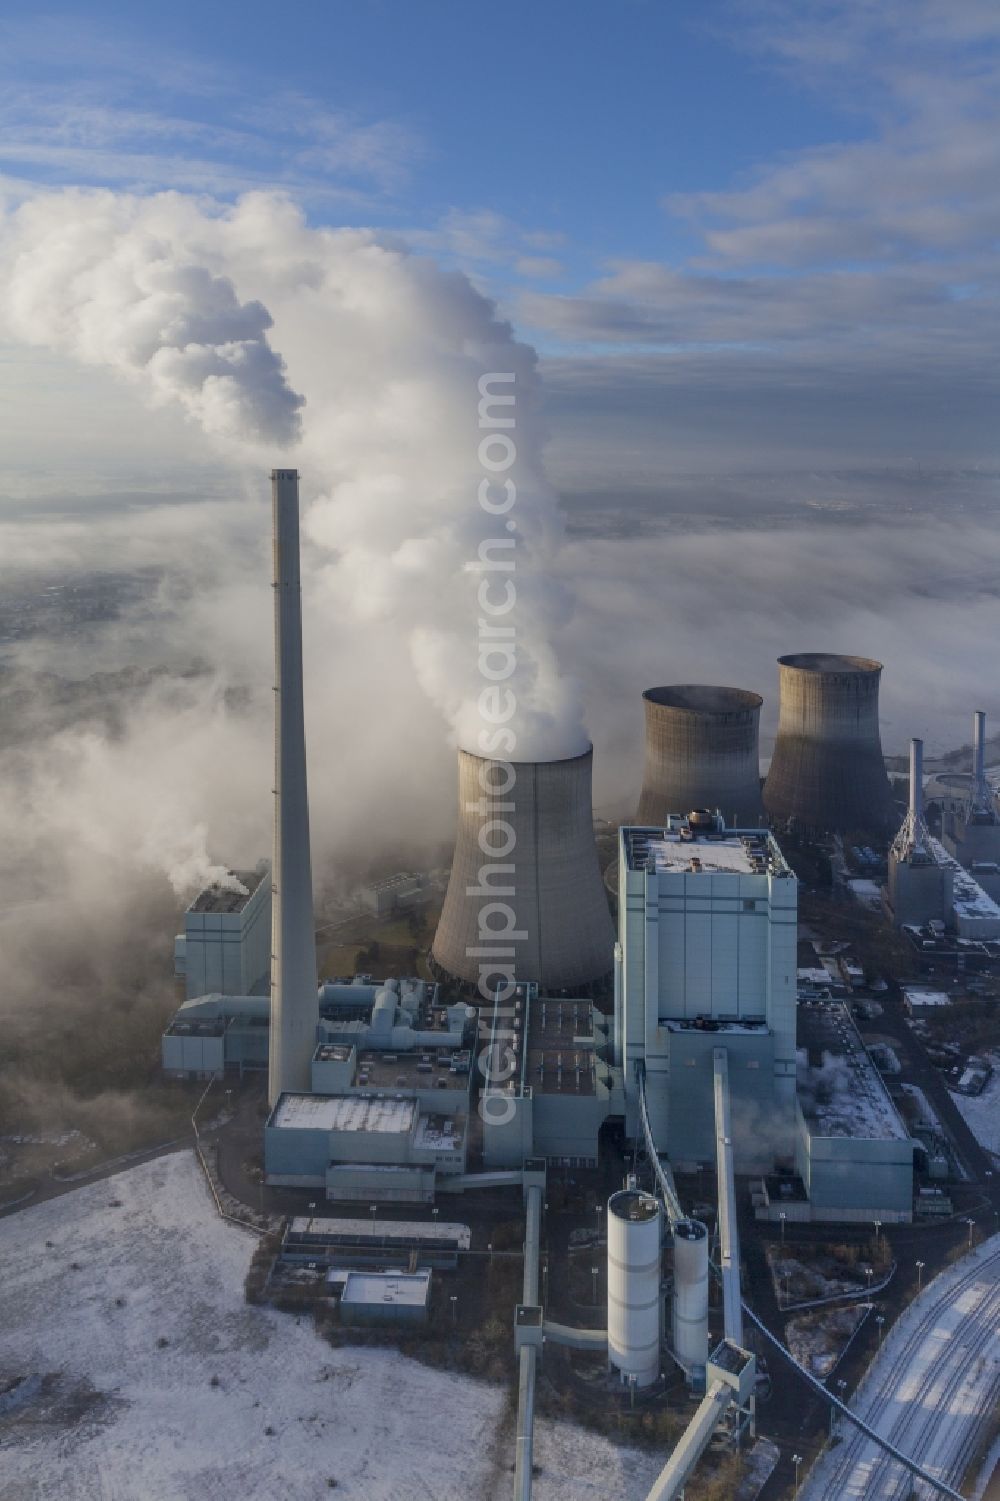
pixel 728 1228
pixel 670 1199
pixel 528 1355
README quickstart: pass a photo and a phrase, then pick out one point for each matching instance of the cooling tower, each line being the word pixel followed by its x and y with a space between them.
pixel 294 998
pixel 827 772
pixel 701 752
pixel 525 900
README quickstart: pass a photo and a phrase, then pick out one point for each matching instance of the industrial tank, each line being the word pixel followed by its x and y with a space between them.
pixel 701 751
pixel 827 772
pixel 635 1228
pixel 525 891
pixel 690 1309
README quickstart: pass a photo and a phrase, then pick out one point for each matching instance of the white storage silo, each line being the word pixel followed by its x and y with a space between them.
pixel 635 1228
pixel 690 1316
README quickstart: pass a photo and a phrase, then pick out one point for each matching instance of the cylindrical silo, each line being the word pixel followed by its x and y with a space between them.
pixel 635 1228
pixel 525 897
pixel 701 752
pixel 690 1317
pixel 827 772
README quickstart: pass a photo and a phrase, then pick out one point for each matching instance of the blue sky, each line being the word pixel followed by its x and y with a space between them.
pixel 784 209
pixel 570 122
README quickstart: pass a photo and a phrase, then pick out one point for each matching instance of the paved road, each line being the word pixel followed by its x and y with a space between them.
pixel 52 1188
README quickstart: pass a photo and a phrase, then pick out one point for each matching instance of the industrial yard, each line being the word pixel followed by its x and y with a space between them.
pixel 126 1299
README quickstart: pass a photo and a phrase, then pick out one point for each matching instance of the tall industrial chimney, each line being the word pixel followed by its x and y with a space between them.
pixel 827 772
pixel 917 782
pixel 982 793
pixel 701 752
pixel 294 1002
pixel 525 896
pixel 920 886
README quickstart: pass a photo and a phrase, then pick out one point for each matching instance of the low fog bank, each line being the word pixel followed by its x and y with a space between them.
pixel 136 748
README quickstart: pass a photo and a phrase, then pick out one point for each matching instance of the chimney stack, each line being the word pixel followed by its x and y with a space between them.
pixel 294 1000
pixel 916 781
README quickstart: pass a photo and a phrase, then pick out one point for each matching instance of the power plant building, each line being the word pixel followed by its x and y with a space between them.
pixel 920 885
pixel 525 900
pixel 372 1085
pixel 708 959
pixel 927 883
pixel 970 828
pixel 549 1087
pixel 853 1153
pixel 226 943
pixel 701 751
pixel 827 772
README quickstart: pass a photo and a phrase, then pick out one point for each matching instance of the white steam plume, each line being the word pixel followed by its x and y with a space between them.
pixel 84 275
pixel 389 351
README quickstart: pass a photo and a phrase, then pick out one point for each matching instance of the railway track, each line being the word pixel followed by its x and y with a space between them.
pixel 863 1473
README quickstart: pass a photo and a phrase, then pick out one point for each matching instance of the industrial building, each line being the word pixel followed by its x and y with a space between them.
pixel 549 1085
pixel 372 1086
pixel 853 1153
pixel 395 893
pixel 927 884
pixel 525 843
pixel 383 1297
pixel 701 751
pixel 362 1144
pixel 707 959
pixel 919 889
pixel 226 943
pixel 215 1035
pixel 827 772
pixel 970 827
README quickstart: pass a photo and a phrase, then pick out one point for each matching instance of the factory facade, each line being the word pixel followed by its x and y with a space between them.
pixel 372 1088
pixel 226 943
pixel 707 960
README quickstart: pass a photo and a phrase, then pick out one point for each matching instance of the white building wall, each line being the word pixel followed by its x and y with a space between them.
pixel 229 953
pixel 712 944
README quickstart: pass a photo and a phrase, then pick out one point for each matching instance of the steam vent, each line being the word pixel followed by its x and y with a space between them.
pixel 701 752
pixel 827 771
pixel 528 848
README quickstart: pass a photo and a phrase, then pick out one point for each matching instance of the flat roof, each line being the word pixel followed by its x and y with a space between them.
pixel 840 1090
pixel 220 898
pixel 439 1133
pixel 556 1064
pixel 968 897
pixel 414 1068
pixel 409 1288
pixel 917 997
pixel 338 1112
pixel 451 1231
pixel 688 851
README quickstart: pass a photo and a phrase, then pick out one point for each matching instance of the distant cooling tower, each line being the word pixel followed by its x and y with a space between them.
pixel 526 861
pixel 827 771
pixel 701 752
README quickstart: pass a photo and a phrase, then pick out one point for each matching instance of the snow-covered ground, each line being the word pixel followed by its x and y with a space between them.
pixel 143 1257
pixel 929 1392
pixel 982 1111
